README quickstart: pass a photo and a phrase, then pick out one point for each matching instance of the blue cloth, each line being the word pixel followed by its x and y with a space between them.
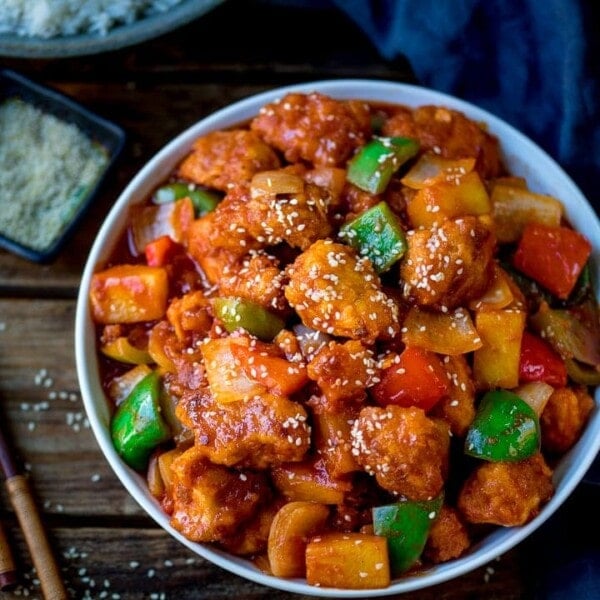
pixel 534 64
pixel 529 62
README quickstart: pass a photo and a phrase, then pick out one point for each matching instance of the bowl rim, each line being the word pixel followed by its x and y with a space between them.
pixel 545 177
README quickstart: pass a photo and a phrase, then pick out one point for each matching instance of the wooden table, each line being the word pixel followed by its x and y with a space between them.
pixel 106 546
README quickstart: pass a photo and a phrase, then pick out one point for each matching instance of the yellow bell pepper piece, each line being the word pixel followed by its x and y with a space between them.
pixel 124 351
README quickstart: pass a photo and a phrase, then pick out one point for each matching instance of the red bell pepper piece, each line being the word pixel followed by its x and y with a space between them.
pixel 539 362
pixel 160 251
pixel 552 256
pixel 418 379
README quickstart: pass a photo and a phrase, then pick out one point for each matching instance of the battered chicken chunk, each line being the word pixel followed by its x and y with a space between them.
pixel 222 158
pixel 258 279
pixel 252 538
pixel 405 450
pixel 564 417
pixel 211 502
pixel 343 372
pixel 220 238
pixel 314 128
pixel 298 217
pixel 449 265
pixel 448 133
pixel 335 291
pixel 263 431
pixel 356 201
pixel 458 407
pixel 191 314
pixel 506 493
pixel 448 537
pixel 181 358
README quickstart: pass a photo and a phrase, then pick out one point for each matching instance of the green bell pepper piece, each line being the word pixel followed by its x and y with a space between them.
pixel 377 234
pixel 505 428
pixel 256 320
pixel 406 526
pixel 137 426
pixel 372 167
pixel 203 200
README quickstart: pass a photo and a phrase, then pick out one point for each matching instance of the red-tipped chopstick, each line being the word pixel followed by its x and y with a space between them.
pixel 29 519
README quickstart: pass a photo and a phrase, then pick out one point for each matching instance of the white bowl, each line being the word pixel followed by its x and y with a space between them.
pixel 521 156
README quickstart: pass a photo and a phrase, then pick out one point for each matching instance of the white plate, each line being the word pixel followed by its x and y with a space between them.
pixel 521 156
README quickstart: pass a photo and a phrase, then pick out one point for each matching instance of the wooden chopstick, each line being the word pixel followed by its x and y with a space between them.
pixel 27 513
pixel 8 571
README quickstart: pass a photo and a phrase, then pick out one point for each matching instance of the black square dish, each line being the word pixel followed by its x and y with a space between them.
pixel 74 150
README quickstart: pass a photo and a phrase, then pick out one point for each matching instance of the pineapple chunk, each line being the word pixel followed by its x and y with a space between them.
pixel 129 294
pixel 293 524
pixel 353 561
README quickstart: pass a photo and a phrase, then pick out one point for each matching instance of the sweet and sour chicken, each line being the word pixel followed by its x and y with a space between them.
pixel 338 337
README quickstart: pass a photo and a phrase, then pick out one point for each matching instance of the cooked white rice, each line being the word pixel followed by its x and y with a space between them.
pixel 51 18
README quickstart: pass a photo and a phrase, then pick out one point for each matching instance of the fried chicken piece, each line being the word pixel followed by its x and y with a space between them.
pixel 314 128
pixel 448 537
pixel 190 314
pixel 211 502
pixel 297 217
pixel 506 493
pixel 335 291
pixel 449 265
pixel 223 158
pixel 405 450
pixel 343 372
pixel 220 239
pixel 258 279
pixel 263 431
pixel 448 133
pixel 564 417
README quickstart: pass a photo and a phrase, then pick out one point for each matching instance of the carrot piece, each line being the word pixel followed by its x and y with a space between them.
pixel 160 251
pixel 280 376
